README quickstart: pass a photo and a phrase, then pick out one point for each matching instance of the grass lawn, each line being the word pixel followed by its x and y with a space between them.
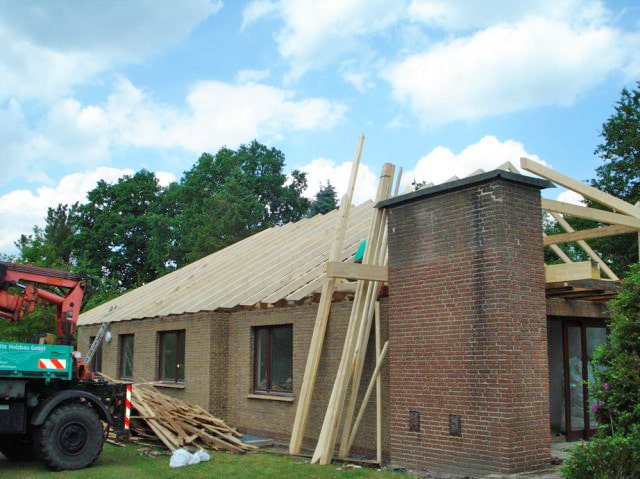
pixel 127 463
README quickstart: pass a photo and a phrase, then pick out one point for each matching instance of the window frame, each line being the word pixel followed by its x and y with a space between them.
pixel 97 358
pixel 121 349
pixel 268 360
pixel 181 343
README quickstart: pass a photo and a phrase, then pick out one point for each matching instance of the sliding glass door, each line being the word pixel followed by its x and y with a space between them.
pixel 580 340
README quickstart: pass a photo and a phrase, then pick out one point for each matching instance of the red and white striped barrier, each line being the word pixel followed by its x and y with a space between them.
pixel 52 364
pixel 127 408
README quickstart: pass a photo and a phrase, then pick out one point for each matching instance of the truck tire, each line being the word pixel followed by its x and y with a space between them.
pixel 16 448
pixel 70 438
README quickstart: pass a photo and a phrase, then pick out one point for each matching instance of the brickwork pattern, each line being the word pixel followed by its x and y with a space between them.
pixel 275 417
pixel 468 330
pixel 205 382
pixel 219 366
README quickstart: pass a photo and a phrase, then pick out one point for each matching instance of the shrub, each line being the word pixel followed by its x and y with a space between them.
pixel 615 450
pixel 605 457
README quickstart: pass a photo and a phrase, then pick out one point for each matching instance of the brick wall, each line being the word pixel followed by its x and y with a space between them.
pixel 219 366
pixel 276 417
pixel 468 329
pixel 205 366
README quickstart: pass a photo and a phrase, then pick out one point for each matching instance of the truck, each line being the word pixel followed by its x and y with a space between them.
pixel 52 405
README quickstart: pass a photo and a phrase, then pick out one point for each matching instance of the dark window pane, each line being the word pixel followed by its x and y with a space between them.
pixel 180 356
pixel 261 359
pixel 169 356
pixel 282 359
pixel 97 358
pixel 126 356
pixel 171 364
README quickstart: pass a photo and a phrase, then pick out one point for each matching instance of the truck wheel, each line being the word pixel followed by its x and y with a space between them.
pixel 16 448
pixel 70 438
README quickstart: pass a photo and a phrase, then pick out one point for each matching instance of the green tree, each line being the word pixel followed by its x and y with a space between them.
pixel 615 450
pixel 620 173
pixel 51 246
pixel 122 232
pixel 229 196
pixel 325 200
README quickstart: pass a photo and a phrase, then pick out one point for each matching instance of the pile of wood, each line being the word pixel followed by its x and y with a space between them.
pixel 158 419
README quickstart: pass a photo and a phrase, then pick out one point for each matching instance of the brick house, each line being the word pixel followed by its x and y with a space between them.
pixel 482 351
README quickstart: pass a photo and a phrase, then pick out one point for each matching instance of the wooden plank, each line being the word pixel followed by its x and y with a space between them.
pixel 605 284
pixel 322 316
pixel 585 247
pixel 571 271
pixel 367 395
pixel 592 233
pixel 508 166
pixel 576 308
pixel 589 213
pixel 364 333
pixel 362 302
pixel 369 272
pixel 556 249
pixel 378 386
pixel 585 190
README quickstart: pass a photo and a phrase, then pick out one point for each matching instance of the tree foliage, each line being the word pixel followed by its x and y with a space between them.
pixel 134 230
pixel 615 451
pixel 325 200
pixel 229 196
pixel 619 174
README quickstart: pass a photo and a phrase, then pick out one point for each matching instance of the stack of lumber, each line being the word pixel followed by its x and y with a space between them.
pixel 158 418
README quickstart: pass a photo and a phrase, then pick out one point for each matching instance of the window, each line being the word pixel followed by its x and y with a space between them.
pixel 126 356
pixel 171 365
pixel 97 358
pixel 273 359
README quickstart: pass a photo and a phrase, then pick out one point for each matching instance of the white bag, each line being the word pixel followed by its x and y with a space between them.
pixel 180 458
pixel 203 455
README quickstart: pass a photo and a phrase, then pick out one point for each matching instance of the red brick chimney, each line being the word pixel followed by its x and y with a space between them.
pixel 467 326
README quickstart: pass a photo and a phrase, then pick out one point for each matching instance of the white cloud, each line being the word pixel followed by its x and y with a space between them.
pixel 318 33
pixel 20 210
pixel 507 68
pixel 572 197
pixel 256 10
pixel 440 164
pixel 247 76
pixel 321 170
pixel 48 47
pixel 215 114
pixel 468 14
pixel 165 177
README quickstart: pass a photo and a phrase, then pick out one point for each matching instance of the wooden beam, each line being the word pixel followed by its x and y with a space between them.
pixel 556 249
pixel 570 308
pixel 336 269
pixel 588 234
pixel 586 248
pixel 590 213
pixel 571 271
pixel 585 190
pixel 508 166
pixel 322 316
pixel 367 395
pixel 378 384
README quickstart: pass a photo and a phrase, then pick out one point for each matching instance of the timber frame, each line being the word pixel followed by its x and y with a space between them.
pixel 620 218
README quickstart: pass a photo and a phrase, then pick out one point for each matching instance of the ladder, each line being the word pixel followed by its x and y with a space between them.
pixel 96 342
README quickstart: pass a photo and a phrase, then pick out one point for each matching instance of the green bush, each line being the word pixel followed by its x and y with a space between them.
pixel 615 450
pixel 605 457
pixel 617 362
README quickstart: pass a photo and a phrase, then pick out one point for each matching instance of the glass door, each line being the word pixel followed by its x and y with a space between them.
pixel 581 338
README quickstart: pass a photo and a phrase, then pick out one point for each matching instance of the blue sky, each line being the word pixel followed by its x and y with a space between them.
pixel 92 90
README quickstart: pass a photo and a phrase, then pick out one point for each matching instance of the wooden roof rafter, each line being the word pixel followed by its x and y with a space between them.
pixel 621 218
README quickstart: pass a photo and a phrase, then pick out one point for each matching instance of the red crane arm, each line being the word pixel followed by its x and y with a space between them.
pixel 14 306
